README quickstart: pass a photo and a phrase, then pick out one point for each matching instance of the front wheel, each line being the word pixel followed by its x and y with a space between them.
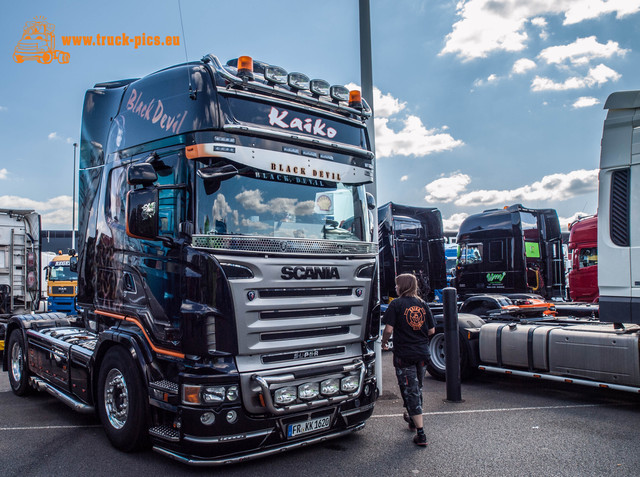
pixel 437 363
pixel 18 370
pixel 121 401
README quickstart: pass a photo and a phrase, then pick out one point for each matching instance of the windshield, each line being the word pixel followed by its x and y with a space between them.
pixel 259 203
pixel 59 273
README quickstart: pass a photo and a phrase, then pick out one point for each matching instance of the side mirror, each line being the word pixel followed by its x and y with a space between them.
pixel 371 201
pixel 142 213
pixel 46 272
pixel 141 174
pixel 73 264
pixel 214 175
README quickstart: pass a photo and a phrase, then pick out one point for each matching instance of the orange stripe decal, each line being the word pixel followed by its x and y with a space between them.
pixel 137 323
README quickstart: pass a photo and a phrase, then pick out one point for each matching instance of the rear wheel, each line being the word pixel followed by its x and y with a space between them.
pixel 18 371
pixel 121 401
pixel 437 363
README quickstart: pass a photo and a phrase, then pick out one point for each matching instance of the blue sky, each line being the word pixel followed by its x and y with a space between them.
pixel 479 103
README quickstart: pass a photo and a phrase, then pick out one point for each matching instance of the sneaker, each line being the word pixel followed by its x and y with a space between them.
pixel 408 420
pixel 420 440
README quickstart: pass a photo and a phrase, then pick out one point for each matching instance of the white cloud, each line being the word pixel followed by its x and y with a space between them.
pixel 452 224
pixel 581 51
pixel 414 139
pixel 3 108
pixel 492 78
pixel 446 189
pixel 55 137
pixel 587 9
pixel 523 65
pixel 585 102
pixel 404 178
pixel 55 212
pixel 565 221
pixel 4 173
pixel 556 187
pixel 486 26
pixel 596 76
pixel 541 23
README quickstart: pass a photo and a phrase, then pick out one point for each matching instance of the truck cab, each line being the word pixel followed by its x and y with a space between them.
pixel 62 284
pixel 583 246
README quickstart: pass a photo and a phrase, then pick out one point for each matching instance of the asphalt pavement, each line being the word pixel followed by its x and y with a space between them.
pixel 505 427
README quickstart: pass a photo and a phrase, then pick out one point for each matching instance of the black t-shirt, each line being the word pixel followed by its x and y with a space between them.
pixel 411 319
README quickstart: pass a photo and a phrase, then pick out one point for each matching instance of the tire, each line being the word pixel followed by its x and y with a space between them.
pixel 436 365
pixel 122 403
pixel 17 361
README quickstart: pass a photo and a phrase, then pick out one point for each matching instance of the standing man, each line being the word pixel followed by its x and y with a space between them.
pixel 410 321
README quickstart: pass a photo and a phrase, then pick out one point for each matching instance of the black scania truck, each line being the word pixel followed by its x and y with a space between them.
pixel 511 250
pixel 227 300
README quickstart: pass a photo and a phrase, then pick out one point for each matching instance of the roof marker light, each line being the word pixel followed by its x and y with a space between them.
pixel 298 81
pixel 245 67
pixel 355 99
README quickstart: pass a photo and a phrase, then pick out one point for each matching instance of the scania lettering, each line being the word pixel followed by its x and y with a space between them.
pixel 227 299
pixel 602 353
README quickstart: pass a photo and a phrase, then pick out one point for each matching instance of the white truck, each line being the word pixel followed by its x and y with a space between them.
pixel 602 353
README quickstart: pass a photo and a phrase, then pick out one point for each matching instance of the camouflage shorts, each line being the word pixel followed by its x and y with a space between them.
pixel 410 383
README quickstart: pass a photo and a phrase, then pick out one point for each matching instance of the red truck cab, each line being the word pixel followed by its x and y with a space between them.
pixel 583 245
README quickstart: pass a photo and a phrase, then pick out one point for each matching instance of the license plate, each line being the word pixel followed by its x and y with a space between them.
pixel 305 427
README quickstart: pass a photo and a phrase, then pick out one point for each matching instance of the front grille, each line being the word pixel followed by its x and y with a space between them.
pixel 58 290
pixel 301 355
pixel 303 292
pixel 307 333
pixel 306 313
pixel 283 246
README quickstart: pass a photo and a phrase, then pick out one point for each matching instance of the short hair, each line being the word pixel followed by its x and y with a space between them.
pixel 407 285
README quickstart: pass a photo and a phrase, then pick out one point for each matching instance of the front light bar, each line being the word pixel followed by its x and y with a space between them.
pixel 281 396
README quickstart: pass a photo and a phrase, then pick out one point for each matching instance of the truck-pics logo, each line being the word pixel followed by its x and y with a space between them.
pixel 39 43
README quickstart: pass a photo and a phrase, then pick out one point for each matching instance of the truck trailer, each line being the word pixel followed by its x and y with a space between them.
pixel 603 353
pixel 227 295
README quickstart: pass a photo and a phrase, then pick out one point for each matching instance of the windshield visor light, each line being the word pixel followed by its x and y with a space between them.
pixel 275 74
pixel 308 390
pixel 213 394
pixel 319 87
pixel 339 93
pixel 298 81
pixel 350 383
pixel 245 67
pixel 285 395
pixel 330 387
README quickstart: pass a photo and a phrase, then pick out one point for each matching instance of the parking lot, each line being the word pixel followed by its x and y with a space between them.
pixel 505 426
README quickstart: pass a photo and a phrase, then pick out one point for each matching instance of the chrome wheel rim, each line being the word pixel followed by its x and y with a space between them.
pixel 16 361
pixel 436 348
pixel 116 399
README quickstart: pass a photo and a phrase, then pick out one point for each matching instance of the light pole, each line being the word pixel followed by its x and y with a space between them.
pixel 73 213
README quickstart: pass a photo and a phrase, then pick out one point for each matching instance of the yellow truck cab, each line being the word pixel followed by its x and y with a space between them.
pixel 62 284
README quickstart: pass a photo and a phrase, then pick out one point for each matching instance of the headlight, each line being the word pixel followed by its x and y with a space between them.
pixel 232 393
pixel 330 387
pixel 308 390
pixel 285 395
pixel 350 383
pixel 213 394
